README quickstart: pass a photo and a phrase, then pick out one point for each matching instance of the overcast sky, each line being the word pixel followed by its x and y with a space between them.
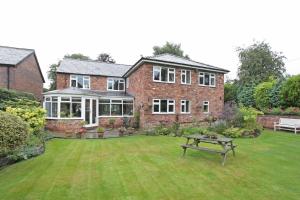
pixel 209 31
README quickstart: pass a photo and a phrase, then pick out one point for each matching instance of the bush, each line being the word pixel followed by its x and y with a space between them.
pixel 219 126
pixel 11 98
pixel 232 132
pixel 280 111
pixel 290 92
pixel 245 95
pixel 159 130
pixel 193 130
pixel 34 117
pixel 262 94
pixel 111 122
pixel 13 133
pixel 100 130
pixel 249 117
pixel 230 92
pixel 275 100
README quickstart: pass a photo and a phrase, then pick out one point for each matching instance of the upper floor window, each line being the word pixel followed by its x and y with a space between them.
pixel 115 84
pixel 163 106
pixel 208 79
pixel 80 81
pixel 163 74
pixel 186 76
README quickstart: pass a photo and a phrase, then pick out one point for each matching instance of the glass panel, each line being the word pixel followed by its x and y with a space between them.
pixel 206 78
pixel 182 107
pixel 183 77
pixel 76 109
pixel 121 86
pixel 116 109
pixel 212 80
pixel 104 101
pixel 187 106
pixel 65 110
pixel 73 83
pixel 48 99
pixel 94 107
pixel 171 107
pixel 127 101
pixel 80 81
pixel 116 84
pixel 76 99
pixel 54 109
pixel 156 108
pixel 110 85
pixel 156 75
pixel 127 109
pixel 188 77
pixel 86 83
pixel 65 98
pixel 116 101
pixel 104 109
pixel 163 106
pixel 87 111
pixel 164 74
pixel 54 99
pixel 48 108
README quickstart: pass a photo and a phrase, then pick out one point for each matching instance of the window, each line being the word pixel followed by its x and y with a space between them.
pixel 115 107
pixel 127 82
pixel 186 76
pixel 70 107
pixel 163 74
pixel 163 106
pixel 114 84
pixel 79 81
pixel 208 79
pixel 51 105
pixel 205 106
pixel 185 106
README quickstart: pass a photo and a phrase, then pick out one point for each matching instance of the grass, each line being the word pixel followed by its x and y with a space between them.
pixel 150 167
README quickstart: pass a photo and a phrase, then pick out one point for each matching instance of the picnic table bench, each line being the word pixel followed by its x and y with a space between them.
pixel 226 144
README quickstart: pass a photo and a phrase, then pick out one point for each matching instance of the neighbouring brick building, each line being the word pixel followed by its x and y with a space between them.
pixel 20 70
pixel 160 88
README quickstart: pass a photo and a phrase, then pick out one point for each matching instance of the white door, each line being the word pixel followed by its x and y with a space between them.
pixel 90 105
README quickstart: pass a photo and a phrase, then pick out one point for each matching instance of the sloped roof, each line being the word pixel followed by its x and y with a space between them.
pixel 88 67
pixel 13 56
pixel 78 91
pixel 175 60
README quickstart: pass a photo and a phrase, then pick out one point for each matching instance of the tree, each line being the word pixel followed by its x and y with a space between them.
pixel 78 56
pixel 105 57
pixel 290 92
pixel 170 48
pixel 245 95
pixel 262 94
pixel 230 91
pixel 258 63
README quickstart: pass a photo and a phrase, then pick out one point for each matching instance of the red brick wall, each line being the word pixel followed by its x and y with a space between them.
pixel 267 121
pixel 64 127
pixel 104 122
pixel 97 82
pixel 144 90
pixel 3 76
pixel 26 77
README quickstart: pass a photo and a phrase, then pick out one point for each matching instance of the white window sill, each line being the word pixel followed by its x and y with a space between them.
pixel 207 86
pixel 163 82
pixel 163 113
pixel 185 113
pixel 63 118
pixel 109 116
pixel 186 83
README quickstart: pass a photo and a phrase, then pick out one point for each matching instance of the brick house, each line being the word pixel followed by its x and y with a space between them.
pixel 20 70
pixel 159 88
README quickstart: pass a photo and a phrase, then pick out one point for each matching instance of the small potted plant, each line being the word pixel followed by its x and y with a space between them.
pixel 122 130
pixel 82 129
pixel 100 131
pixel 130 130
pixel 111 122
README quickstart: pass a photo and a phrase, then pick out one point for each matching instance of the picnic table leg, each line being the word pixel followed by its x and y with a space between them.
pixel 184 150
pixel 224 159
pixel 232 148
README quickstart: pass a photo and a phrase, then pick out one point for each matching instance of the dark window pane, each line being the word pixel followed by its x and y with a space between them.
pixel 183 78
pixel 104 109
pixel 188 77
pixel 171 108
pixel 110 85
pixel 127 109
pixel 80 81
pixel 163 106
pixel 76 109
pixel 87 111
pixel 54 109
pixel 94 107
pixel 86 83
pixel 73 83
pixel 156 108
pixel 156 75
pixel 121 86
pixel 206 76
pixel 65 110
pixel 171 77
pixel 48 108
pixel 164 74
pixel 116 85
pixel 104 101
pixel 116 109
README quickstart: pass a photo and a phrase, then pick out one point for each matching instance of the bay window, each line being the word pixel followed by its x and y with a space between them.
pixel 114 84
pixel 185 106
pixel 80 81
pixel 163 106
pixel 163 74
pixel 207 79
pixel 185 76
pixel 115 107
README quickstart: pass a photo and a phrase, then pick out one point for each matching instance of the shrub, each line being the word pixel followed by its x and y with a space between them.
pixel 34 117
pixel 175 128
pixel 193 130
pixel 111 122
pixel 13 133
pixel 291 111
pixel 230 92
pixel 245 95
pixel 100 130
pixel 219 126
pixel 249 117
pixel 11 98
pixel 163 130
pixel 262 94
pixel 136 121
pixel 290 92
pixel 275 100
pixel 232 132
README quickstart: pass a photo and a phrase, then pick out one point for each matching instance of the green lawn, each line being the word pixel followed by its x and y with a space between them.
pixel 151 167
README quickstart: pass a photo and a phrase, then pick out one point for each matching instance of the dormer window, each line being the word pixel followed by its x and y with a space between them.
pixel 115 84
pixel 79 81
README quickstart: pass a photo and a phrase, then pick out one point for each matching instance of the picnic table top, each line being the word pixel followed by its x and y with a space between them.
pixel 205 138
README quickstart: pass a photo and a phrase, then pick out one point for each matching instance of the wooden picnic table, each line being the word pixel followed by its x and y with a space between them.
pixel 226 144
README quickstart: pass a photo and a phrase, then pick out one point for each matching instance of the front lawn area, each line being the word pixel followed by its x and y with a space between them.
pixel 151 167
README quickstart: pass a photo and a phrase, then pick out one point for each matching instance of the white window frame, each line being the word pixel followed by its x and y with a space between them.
pixel 184 73
pixel 111 102
pixel 111 80
pixel 75 77
pixel 204 104
pixel 158 102
pixel 127 82
pixel 170 71
pixel 211 76
pixel 183 103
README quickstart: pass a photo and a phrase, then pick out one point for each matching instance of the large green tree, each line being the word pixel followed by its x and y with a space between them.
pixel 170 48
pixel 258 62
pixel 105 57
pixel 53 68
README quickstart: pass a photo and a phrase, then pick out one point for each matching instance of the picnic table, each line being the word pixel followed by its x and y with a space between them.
pixel 226 144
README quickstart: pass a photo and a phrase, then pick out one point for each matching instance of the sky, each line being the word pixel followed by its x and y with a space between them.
pixel 208 31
